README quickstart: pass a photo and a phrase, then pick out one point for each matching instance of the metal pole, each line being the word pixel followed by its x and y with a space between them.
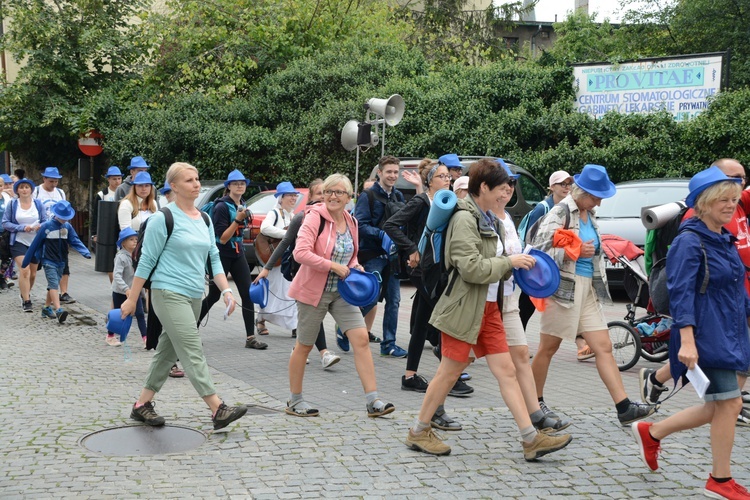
pixel 356 176
pixel 91 193
pixel 382 147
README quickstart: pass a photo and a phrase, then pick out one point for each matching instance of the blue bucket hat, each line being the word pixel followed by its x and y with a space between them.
pixel 507 169
pixel 124 235
pixel 117 325
pixel 166 189
pixel 235 175
pixel 450 160
pixel 138 162
pixel 113 171
pixel 6 178
pixel 142 178
pixel 63 210
pixel 52 173
pixel 704 180
pixel 540 281
pixel 285 188
pixel 259 292
pixel 594 180
pixel 22 181
pixel 359 288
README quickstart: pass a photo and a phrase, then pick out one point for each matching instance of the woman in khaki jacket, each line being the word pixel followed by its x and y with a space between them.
pixel 469 319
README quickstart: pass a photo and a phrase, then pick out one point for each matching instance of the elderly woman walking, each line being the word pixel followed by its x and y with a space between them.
pixel 710 326
pixel 575 308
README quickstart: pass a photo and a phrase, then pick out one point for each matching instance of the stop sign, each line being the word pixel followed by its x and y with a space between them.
pixel 90 143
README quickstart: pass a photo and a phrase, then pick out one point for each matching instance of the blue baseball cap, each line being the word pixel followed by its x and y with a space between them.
pixel 52 173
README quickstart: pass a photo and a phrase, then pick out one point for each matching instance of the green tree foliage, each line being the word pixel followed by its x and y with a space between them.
pixel 69 49
pixel 222 47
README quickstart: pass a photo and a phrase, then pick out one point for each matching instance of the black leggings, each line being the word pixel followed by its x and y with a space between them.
pixel 240 271
pixel 421 330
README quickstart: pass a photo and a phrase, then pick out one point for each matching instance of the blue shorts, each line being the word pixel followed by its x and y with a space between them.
pixel 723 385
pixel 53 272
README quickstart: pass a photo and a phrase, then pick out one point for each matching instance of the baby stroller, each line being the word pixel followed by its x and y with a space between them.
pixel 646 335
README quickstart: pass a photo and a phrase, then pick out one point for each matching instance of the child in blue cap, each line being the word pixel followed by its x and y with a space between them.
pixel 122 280
pixel 50 248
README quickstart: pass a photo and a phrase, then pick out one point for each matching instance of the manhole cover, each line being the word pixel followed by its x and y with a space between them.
pixel 143 440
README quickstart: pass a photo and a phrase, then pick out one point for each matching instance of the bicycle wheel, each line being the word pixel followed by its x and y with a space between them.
pixel 626 344
pixel 655 351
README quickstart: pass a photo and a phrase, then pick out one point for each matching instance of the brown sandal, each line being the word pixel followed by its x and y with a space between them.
pixel 175 372
pixel 261 330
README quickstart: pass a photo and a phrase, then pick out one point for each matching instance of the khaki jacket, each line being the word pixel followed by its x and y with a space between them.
pixel 471 248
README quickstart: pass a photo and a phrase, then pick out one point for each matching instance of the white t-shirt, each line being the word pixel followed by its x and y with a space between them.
pixel 48 198
pixel 27 217
pixel 512 247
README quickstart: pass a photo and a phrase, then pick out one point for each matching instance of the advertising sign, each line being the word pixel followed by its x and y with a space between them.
pixel 681 85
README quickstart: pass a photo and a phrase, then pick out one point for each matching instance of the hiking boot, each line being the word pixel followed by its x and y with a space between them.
pixel 342 340
pixel 66 299
pixel 650 392
pixel 329 359
pixel 373 338
pixel 147 415
pixel 27 306
pixel 460 389
pixel 729 489
pixel 48 312
pixel 544 444
pixel 377 408
pixel 393 352
pixel 636 411
pixel 647 445
pixel 427 442
pixel 253 343
pixel 225 415
pixel 62 315
pixel 441 420
pixel 743 419
pixel 416 383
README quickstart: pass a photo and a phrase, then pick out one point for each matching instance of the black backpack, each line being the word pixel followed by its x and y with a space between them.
pixel 392 205
pixel 289 266
pixel 169 223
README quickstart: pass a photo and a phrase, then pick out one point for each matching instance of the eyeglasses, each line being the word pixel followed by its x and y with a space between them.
pixel 445 177
pixel 565 184
pixel 742 177
pixel 336 192
pixel 460 169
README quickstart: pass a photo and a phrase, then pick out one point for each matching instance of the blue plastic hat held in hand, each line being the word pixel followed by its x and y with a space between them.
pixel 259 292
pixel 359 288
pixel 540 281
pixel 117 325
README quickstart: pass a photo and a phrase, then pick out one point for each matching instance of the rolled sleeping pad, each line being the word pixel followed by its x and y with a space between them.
pixel 656 217
pixel 440 213
pixel 107 230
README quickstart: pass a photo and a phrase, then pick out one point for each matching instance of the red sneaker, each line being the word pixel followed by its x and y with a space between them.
pixel 648 446
pixel 730 490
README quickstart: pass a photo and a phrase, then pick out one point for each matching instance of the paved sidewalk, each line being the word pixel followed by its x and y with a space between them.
pixel 61 382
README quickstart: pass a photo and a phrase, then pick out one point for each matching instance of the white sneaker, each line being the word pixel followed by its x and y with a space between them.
pixel 113 341
pixel 306 362
pixel 329 359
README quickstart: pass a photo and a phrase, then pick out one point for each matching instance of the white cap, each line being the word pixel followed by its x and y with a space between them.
pixel 461 183
pixel 558 177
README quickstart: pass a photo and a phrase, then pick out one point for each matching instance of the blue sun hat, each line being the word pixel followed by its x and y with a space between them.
pixel 142 178
pixel 63 210
pixel 23 181
pixel 166 189
pixel 52 173
pixel 259 292
pixel 6 178
pixel 594 180
pixel 540 281
pixel 138 162
pixel 113 171
pixel 704 180
pixel 507 169
pixel 235 175
pixel 285 188
pixel 450 160
pixel 124 235
pixel 117 325
pixel 359 288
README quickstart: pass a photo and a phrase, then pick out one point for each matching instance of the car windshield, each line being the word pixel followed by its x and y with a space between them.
pixel 629 200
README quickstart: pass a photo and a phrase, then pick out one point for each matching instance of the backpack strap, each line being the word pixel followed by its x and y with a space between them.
pixel 704 284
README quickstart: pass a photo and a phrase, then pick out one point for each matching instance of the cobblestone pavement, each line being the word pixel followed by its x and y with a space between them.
pixel 61 383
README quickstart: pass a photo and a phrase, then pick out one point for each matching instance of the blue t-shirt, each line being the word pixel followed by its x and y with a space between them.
pixel 586 231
